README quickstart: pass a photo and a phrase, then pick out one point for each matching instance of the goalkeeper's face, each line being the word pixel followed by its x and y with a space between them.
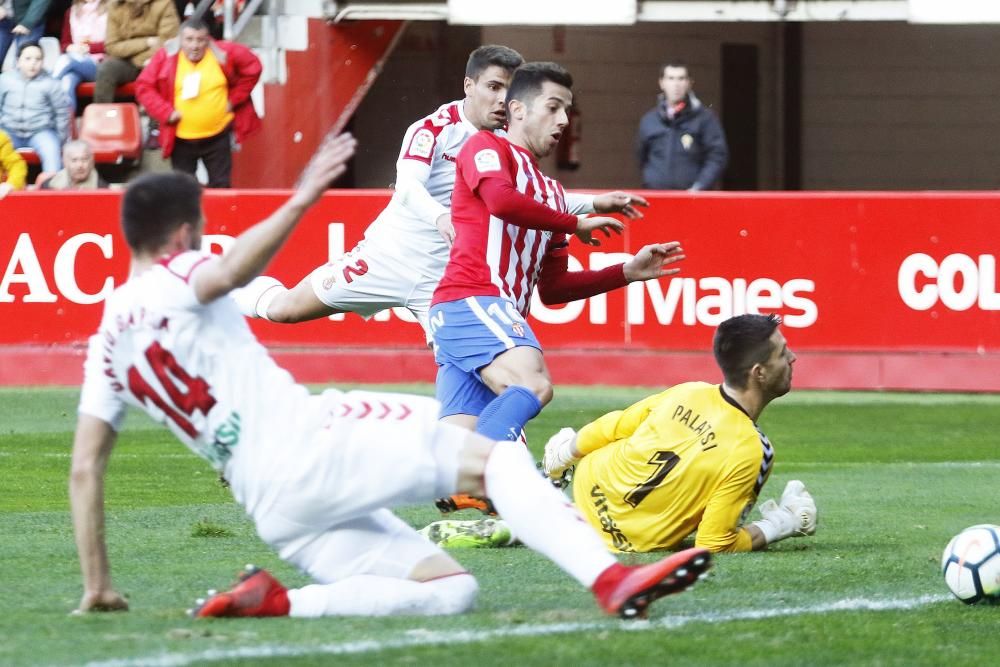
pixel 778 368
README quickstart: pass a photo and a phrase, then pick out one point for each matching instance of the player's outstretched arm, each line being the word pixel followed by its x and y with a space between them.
pixel 92 446
pixel 255 247
pixel 652 261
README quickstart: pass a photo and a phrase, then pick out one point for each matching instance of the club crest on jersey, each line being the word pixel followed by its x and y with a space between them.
pixel 518 329
pixel 487 160
pixel 422 143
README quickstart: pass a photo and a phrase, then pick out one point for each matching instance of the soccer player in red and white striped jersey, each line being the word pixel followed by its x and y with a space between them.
pixel 512 234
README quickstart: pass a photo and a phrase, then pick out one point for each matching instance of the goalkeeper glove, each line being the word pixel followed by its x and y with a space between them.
pixel 794 517
pixel 560 453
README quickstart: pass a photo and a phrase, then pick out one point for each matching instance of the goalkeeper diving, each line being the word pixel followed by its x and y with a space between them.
pixel 690 459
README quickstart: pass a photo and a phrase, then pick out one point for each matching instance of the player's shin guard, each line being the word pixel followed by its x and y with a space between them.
pixel 542 517
pixel 507 414
pixel 371 595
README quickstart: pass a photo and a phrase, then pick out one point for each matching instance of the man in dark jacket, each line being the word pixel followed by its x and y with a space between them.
pixel 680 144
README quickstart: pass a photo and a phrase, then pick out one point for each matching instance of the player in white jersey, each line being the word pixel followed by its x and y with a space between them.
pixel 310 470
pixel 404 251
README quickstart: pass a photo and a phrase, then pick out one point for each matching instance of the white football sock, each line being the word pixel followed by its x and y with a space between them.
pixel 254 298
pixel 372 595
pixel 542 517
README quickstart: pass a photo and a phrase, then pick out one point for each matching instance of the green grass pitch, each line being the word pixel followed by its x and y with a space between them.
pixel 894 476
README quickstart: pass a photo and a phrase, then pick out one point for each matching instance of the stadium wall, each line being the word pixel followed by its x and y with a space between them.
pixel 884 105
pixel 877 290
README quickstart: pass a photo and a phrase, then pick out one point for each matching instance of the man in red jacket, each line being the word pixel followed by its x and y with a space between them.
pixel 199 91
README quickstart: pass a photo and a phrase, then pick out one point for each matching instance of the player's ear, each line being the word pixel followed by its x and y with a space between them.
pixel 469 85
pixel 515 109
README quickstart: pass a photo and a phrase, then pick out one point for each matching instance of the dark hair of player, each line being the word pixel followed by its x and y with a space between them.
pixel 154 205
pixel 196 24
pixel 740 343
pixel 675 63
pixel 492 54
pixel 527 81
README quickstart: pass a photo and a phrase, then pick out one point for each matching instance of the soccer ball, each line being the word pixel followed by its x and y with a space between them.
pixel 971 564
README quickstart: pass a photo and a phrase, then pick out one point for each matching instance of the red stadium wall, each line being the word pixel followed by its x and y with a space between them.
pixel 877 290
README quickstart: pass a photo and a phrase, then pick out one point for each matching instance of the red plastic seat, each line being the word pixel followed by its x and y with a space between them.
pixel 124 91
pixel 113 131
pixel 30 156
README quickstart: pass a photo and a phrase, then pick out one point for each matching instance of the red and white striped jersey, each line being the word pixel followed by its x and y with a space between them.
pixel 490 256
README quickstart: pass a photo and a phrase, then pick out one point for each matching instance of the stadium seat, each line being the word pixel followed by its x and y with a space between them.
pixel 30 156
pixel 123 92
pixel 113 131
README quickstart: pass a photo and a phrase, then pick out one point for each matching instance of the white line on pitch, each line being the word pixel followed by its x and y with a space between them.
pixel 422 637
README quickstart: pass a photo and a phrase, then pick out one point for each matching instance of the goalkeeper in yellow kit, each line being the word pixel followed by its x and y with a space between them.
pixel 690 459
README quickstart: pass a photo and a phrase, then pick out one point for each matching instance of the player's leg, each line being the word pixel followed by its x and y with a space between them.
pixel 522 385
pixel 462 397
pixel 360 281
pixel 374 565
pixel 544 520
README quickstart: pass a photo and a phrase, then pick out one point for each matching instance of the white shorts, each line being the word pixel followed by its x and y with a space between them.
pixel 374 276
pixel 320 499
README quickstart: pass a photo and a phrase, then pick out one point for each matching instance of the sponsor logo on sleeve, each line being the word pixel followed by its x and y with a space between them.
pixel 487 160
pixel 422 144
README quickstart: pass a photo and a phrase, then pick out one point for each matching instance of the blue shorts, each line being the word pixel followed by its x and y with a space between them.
pixel 468 335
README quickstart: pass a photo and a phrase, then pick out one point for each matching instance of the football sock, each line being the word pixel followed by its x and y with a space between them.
pixel 254 298
pixel 505 416
pixel 541 516
pixel 372 595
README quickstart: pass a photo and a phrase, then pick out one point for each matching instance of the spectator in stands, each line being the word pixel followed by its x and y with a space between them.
pixel 21 21
pixel 13 168
pixel 680 144
pixel 136 29
pixel 83 31
pixel 33 107
pixel 78 172
pixel 199 91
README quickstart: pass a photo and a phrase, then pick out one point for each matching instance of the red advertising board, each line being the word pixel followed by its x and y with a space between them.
pixel 880 274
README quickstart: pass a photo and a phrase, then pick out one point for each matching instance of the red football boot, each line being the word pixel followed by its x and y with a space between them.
pixel 628 591
pixel 256 594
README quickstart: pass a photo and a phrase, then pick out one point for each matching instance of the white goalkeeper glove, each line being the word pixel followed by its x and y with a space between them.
pixel 560 453
pixel 794 517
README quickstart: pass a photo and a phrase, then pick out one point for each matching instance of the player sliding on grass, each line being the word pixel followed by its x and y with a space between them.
pixel 315 473
pixel 688 459
pixel 512 229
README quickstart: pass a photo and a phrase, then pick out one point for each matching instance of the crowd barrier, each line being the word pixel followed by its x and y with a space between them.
pixel 877 290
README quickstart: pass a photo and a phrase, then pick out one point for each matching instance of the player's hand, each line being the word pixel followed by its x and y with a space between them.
pixel 620 202
pixel 560 453
pixel 106 600
pixel 652 261
pixel 800 503
pixel 445 228
pixel 5 189
pixel 174 117
pixel 585 228
pixel 326 165
pixel 21 30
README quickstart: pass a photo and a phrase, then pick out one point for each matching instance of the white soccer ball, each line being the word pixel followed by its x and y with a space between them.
pixel 971 564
